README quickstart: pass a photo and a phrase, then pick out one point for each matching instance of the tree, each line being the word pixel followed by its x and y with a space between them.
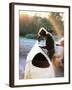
pixel 55 19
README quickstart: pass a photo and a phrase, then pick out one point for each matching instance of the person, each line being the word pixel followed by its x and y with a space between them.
pixel 50 44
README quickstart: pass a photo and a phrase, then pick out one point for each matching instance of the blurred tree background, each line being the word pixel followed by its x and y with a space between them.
pixel 30 25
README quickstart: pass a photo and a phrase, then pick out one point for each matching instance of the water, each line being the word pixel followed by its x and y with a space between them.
pixel 25 41
pixel 25 46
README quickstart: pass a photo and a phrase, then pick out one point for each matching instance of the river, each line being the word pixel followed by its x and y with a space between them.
pixel 25 46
